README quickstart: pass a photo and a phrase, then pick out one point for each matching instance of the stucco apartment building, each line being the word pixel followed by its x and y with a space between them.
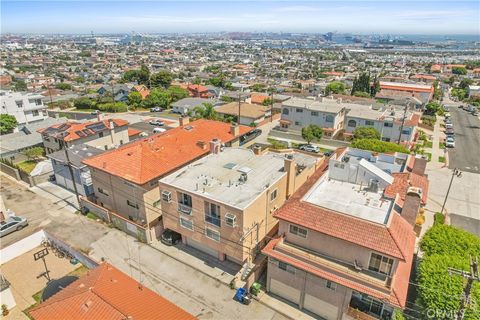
pixel 387 121
pixel 125 180
pixel 104 134
pixel 346 237
pixel 223 203
pixel 25 107
pixel 329 114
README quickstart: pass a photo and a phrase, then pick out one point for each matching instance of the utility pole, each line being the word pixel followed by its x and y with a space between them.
pixel 271 108
pixel 403 122
pixel 455 173
pixel 471 276
pixel 239 103
pixel 69 165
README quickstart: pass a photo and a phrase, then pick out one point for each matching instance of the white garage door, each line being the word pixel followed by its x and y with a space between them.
pixel 201 247
pixel 284 291
pixel 320 307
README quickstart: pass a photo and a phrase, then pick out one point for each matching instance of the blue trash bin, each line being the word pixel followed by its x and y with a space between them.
pixel 240 294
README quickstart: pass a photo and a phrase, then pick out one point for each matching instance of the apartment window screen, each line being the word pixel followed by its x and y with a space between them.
pixel 380 264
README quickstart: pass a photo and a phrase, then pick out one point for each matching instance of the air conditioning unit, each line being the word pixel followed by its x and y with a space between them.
pixel 166 196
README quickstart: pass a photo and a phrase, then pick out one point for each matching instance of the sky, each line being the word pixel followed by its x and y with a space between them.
pixel 359 17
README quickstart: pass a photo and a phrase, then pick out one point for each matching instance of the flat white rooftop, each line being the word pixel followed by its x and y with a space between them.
pixel 347 198
pixel 218 176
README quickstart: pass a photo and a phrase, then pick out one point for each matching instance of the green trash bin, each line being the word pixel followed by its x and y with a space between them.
pixel 255 288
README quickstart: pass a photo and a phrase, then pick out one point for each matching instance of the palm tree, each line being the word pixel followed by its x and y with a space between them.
pixel 206 111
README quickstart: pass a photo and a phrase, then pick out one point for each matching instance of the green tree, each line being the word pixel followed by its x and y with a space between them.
pixel 84 103
pixel 157 98
pixel 311 133
pixel 163 78
pixel 113 107
pixel 79 79
pixel 366 133
pixel 465 83
pixel 459 93
pixel 218 81
pixel 267 102
pixel 206 111
pixel 177 93
pixel 446 247
pixel 258 87
pixel 361 94
pixel 335 87
pixel 34 154
pixel 63 86
pixel 361 84
pixel 20 85
pixel 432 108
pixel 459 70
pixel 134 99
pixel 378 146
pixel 141 76
pixel 7 123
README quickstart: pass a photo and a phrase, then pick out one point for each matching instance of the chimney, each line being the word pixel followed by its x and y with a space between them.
pixel 202 144
pixel 110 124
pixel 215 146
pixel 235 129
pixel 290 168
pixel 184 121
pixel 257 150
pixel 99 116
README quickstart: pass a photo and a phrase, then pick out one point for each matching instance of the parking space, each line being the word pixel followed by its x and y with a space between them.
pixel 466 154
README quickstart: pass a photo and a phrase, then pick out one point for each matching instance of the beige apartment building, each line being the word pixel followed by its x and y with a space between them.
pixel 125 180
pixel 223 204
pixel 346 239
pixel 102 134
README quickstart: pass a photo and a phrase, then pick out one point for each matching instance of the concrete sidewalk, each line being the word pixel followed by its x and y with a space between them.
pixel 64 198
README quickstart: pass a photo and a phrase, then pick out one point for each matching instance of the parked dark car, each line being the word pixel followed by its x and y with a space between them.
pixel 156 109
pixel 170 237
pixel 449 132
pixel 328 153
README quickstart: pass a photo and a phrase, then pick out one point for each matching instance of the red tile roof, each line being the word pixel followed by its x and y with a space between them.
pixel 70 131
pixel 107 293
pixel 378 237
pixel 133 132
pixel 405 87
pixel 402 181
pixel 146 159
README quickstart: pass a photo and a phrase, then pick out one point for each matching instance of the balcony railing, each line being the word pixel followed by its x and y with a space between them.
pixel 185 209
pixel 213 219
pixel 359 315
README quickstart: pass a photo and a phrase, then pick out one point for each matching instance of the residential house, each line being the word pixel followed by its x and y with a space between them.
pixel 198 91
pixel 104 134
pixel 387 121
pixel 423 78
pixel 107 293
pixel 119 92
pixel 249 113
pixel 14 144
pixel 396 90
pixel 326 113
pixel 222 204
pixel 81 173
pixel 473 91
pixel 25 107
pixel 142 89
pixel 126 179
pixel 186 105
pixel 350 256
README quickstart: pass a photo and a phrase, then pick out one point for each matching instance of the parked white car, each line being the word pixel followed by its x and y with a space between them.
pixel 450 142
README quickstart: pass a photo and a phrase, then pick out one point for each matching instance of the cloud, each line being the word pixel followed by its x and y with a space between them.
pixel 297 9
pixel 433 14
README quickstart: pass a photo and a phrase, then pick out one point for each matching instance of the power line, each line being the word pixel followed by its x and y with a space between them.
pixel 471 276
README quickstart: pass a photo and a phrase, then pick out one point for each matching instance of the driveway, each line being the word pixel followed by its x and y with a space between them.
pixel 199 294
pixel 49 214
pixel 466 154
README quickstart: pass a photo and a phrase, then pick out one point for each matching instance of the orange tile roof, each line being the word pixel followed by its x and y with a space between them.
pixel 402 181
pixel 142 89
pixel 75 130
pixel 258 98
pixel 146 159
pixel 133 132
pixel 424 76
pixel 107 293
pixel 410 87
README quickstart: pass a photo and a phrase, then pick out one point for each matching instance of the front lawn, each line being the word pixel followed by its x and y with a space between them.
pixel 441 145
pixel 428 144
pixel 27 165
pixel 441 159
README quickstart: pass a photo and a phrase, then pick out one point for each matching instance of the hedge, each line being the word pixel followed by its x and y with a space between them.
pixel 113 107
pixel 446 247
pixel 378 146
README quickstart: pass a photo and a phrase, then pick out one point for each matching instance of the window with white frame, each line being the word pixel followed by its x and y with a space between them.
pixel 299 110
pixel 298 231
pixel 380 264
pixel 314 113
pixel 369 123
pixel 331 285
pixel 388 124
pixel 329 118
pixel 187 224
pixel 285 111
pixel 230 219
pixel 132 204
pixel 273 195
pixel 352 123
pixel 212 234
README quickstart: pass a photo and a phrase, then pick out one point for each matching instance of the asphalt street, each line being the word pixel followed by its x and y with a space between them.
pixel 466 154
